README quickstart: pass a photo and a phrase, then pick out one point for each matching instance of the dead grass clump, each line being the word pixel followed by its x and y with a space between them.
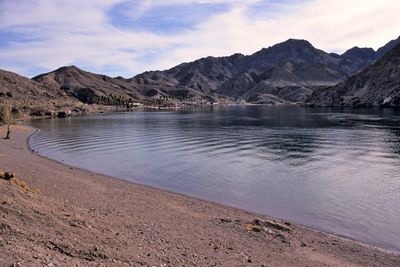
pixel 9 176
pixel 22 184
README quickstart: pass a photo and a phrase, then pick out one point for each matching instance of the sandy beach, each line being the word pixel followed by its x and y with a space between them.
pixel 64 216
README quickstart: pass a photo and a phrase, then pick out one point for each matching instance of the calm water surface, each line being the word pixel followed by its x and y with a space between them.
pixel 335 170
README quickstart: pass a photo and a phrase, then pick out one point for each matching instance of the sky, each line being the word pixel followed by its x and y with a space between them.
pixel 125 38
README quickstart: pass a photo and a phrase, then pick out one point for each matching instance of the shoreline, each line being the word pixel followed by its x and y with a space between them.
pixel 174 229
pixel 383 249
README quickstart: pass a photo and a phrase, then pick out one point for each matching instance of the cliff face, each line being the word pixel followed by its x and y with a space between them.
pixel 378 85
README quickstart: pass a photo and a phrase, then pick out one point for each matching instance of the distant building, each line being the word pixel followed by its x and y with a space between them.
pixel 137 104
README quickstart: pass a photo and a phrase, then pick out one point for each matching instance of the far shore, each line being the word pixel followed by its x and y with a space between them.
pixel 56 215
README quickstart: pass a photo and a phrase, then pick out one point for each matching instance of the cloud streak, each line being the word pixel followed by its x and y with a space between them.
pixel 41 35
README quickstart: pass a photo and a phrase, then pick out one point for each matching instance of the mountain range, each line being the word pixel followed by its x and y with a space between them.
pixel 293 71
pixel 287 72
pixel 377 85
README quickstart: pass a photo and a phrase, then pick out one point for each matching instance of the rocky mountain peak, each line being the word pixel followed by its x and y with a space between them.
pixel 292 49
pixel 366 53
pixel 295 43
pixel 70 68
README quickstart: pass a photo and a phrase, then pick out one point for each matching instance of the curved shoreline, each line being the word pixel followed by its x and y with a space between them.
pixel 173 228
pixel 36 131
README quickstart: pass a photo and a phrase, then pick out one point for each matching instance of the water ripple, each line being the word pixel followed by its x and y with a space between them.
pixel 334 170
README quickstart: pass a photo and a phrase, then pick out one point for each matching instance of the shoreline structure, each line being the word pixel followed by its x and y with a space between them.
pixel 64 216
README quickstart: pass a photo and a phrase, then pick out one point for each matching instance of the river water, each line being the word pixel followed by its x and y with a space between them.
pixel 336 170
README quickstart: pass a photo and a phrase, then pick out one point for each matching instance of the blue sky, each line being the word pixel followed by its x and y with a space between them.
pixel 120 37
pixel 163 19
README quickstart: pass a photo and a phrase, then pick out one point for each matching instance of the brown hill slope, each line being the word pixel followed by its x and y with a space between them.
pixel 88 87
pixel 26 95
pixel 101 89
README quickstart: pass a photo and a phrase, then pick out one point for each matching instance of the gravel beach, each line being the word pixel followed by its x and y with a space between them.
pixel 56 215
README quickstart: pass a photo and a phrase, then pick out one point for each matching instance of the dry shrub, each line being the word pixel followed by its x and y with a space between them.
pixel 17 182
pixel 22 184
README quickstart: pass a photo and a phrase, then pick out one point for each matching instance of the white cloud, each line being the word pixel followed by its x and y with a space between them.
pixel 79 32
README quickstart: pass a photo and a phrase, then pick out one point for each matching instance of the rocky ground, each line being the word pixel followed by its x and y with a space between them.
pixel 55 215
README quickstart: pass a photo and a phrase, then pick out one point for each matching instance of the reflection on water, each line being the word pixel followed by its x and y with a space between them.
pixel 336 170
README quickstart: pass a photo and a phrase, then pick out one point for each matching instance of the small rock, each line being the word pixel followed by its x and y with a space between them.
pixel 271 224
pixel 225 220
pixel 8 176
pixel 252 228
pixel 282 238
pixel 61 114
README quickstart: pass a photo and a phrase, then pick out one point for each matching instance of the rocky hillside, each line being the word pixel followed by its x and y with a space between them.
pixel 26 95
pixel 284 73
pixel 289 71
pixel 378 85
pixel 88 87
pixel 101 89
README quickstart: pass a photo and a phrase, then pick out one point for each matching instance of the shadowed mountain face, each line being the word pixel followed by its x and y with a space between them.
pixel 356 59
pixel 378 85
pixel 386 48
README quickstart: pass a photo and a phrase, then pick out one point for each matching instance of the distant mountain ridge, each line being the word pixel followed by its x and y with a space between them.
pixel 377 85
pixel 288 72
pixel 101 89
